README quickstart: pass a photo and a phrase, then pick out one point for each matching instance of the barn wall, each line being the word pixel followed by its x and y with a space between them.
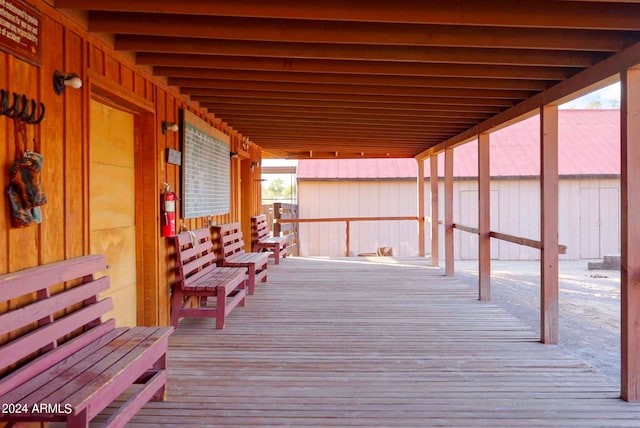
pixel 357 199
pixel 62 138
pixel 515 210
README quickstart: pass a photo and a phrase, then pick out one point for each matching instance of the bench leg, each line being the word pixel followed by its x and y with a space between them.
pixel 251 282
pixel 176 304
pixel 161 364
pixel 81 420
pixel 221 309
pixel 276 254
pixel 243 302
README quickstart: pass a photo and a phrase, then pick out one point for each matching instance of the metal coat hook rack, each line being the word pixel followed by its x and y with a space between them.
pixel 21 107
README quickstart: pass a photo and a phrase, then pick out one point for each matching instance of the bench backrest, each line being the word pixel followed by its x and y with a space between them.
pixel 228 240
pixel 282 211
pixel 259 228
pixel 46 304
pixel 195 256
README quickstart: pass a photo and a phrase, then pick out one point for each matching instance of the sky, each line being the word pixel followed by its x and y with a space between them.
pixel 607 97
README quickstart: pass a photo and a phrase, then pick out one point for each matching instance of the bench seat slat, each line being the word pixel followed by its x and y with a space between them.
pixel 210 280
pixel 61 370
pixel 116 373
pixel 25 315
pixel 37 339
pixel 244 258
pixel 16 284
pixel 50 387
pixel 274 240
pixel 75 346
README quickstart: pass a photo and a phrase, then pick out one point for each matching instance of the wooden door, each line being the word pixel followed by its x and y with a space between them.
pixel 599 222
pixel 609 221
pixel 589 223
pixel 112 203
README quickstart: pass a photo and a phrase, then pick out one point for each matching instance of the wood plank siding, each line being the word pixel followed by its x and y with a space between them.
pixel 375 342
pixel 63 139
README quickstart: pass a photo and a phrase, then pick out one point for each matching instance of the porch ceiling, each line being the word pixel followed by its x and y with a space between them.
pixel 332 78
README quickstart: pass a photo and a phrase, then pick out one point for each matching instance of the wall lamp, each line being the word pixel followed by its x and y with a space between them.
pixel 254 164
pixel 169 126
pixel 233 155
pixel 61 80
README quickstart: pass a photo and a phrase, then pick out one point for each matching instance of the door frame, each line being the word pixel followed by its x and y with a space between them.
pixel 150 295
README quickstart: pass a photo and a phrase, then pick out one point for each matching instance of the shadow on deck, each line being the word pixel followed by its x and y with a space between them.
pixel 375 342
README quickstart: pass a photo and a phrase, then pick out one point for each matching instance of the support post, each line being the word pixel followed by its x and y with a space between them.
pixel 448 212
pixel 421 225
pixel 630 263
pixel 484 219
pixel 435 238
pixel 348 231
pixel 549 311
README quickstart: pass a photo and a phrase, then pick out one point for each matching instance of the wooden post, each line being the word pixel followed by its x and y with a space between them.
pixel 435 240
pixel 348 238
pixel 549 224
pixel 484 219
pixel 421 226
pixel 448 212
pixel 630 263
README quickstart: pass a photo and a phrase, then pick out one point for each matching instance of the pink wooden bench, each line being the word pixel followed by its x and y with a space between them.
pixel 262 241
pixel 198 278
pixel 47 377
pixel 229 247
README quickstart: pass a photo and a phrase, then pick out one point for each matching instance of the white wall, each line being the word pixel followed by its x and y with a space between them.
pixel 589 217
pixel 357 199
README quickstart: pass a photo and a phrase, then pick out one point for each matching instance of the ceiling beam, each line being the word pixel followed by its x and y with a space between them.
pixel 305 31
pixel 351 90
pixel 355 67
pixel 286 121
pixel 549 58
pixel 603 71
pixel 197 91
pixel 266 110
pixel 255 129
pixel 351 79
pixel 353 106
pixel 501 13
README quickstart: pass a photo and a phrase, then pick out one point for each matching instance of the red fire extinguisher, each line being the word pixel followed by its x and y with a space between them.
pixel 168 211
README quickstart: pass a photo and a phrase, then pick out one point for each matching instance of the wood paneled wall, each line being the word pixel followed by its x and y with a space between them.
pixel 62 138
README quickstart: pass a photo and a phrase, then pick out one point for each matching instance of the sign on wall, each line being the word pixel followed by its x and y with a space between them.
pixel 206 169
pixel 20 30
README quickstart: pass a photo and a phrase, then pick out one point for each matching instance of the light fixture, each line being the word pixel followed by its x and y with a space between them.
pixel 233 155
pixel 254 164
pixel 169 126
pixel 60 80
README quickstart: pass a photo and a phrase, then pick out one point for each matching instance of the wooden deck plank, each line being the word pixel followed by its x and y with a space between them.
pixel 375 342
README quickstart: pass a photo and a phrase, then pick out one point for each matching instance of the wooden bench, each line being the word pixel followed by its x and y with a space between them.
pixel 284 211
pixel 262 241
pixel 47 377
pixel 198 278
pixel 229 247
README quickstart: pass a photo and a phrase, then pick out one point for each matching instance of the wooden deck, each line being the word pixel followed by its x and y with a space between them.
pixel 375 342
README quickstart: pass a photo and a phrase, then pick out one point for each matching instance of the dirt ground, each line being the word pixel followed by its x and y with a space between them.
pixel 589 306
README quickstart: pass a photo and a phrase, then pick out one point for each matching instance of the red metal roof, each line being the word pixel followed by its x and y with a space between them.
pixel 589 145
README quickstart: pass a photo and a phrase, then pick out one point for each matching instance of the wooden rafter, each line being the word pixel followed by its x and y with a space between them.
pixel 272 68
